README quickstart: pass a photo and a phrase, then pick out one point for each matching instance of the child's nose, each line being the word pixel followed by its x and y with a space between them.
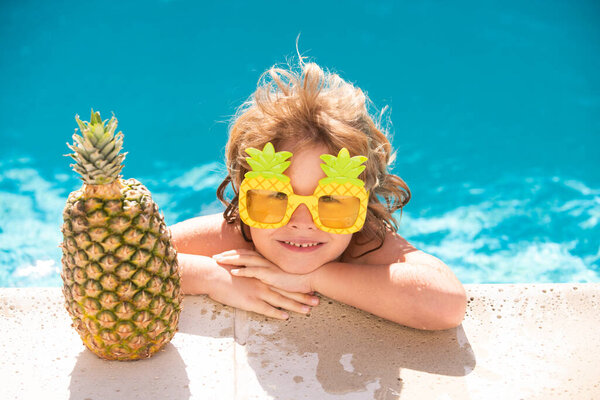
pixel 301 218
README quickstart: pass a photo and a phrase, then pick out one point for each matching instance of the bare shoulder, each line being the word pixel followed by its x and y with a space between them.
pixel 394 249
pixel 207 235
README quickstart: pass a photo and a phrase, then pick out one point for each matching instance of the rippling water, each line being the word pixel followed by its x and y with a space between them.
pixel 495 111
pixel 534 229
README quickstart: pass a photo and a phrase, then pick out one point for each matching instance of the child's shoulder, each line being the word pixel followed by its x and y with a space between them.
pixel 394 249
pixel 207 235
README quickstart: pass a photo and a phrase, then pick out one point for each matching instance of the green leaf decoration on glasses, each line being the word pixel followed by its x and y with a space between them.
pixel 343 168
pixel 268 163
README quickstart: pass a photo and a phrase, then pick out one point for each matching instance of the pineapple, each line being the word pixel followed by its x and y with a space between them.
pixel 120 272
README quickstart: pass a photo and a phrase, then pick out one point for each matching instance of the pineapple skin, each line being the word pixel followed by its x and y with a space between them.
pixel 120 272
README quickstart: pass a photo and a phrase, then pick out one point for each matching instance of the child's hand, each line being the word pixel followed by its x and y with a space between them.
pixel 248 293
pixel 253 265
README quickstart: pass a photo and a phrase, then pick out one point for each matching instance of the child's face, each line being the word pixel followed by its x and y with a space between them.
pixel 280 245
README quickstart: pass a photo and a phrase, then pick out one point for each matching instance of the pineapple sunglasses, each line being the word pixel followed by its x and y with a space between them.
pixel 338 204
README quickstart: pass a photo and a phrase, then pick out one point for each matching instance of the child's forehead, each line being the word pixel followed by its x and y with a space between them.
pixel 310 148
pixel 305 168
pixel 306 157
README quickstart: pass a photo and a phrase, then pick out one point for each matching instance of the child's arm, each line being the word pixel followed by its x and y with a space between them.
pixel 413 288
pixel 207 235
pixel 419 291
pixel 199 238
pixel 396 282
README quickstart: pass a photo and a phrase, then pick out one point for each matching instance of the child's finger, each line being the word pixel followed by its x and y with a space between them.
pixel 262 274
pixel 249 272
pixel 246 260
pixel 268 310
pixel 234 252
pixel 278 300
pixel 304 298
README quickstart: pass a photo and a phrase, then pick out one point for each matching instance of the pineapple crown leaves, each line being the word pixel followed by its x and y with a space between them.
pixel 97 152
pixel 268 163
pixel 343 168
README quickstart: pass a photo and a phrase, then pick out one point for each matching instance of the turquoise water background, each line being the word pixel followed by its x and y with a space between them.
pixel 495 111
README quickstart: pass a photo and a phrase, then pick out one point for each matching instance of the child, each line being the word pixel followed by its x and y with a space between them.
pixel 272 248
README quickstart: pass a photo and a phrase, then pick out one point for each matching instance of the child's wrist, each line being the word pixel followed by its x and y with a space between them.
pixel 316 277
pixel 214 277
pixel 198 276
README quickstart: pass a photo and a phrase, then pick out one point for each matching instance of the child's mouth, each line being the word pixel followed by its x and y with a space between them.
pixel 301 247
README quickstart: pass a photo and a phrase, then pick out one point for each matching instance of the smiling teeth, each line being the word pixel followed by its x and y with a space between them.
pixel 301 245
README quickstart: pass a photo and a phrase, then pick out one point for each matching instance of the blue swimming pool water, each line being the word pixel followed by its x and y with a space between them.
pixel 495 109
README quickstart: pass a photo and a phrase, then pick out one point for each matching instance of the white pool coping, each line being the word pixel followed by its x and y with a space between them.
pixel 538 341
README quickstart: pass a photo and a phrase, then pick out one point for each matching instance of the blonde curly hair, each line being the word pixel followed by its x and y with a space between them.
pixel 309 107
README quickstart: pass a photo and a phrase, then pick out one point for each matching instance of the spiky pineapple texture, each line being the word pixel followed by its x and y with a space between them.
pixel 120 271
pixel 343 168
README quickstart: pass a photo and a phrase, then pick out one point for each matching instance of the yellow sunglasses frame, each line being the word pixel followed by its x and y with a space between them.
pixel 311 202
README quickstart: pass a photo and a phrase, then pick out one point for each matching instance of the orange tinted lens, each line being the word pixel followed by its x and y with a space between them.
pixel 338 211
pixel 266 206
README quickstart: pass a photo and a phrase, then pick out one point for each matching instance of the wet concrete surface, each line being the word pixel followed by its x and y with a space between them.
pixel 517 341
